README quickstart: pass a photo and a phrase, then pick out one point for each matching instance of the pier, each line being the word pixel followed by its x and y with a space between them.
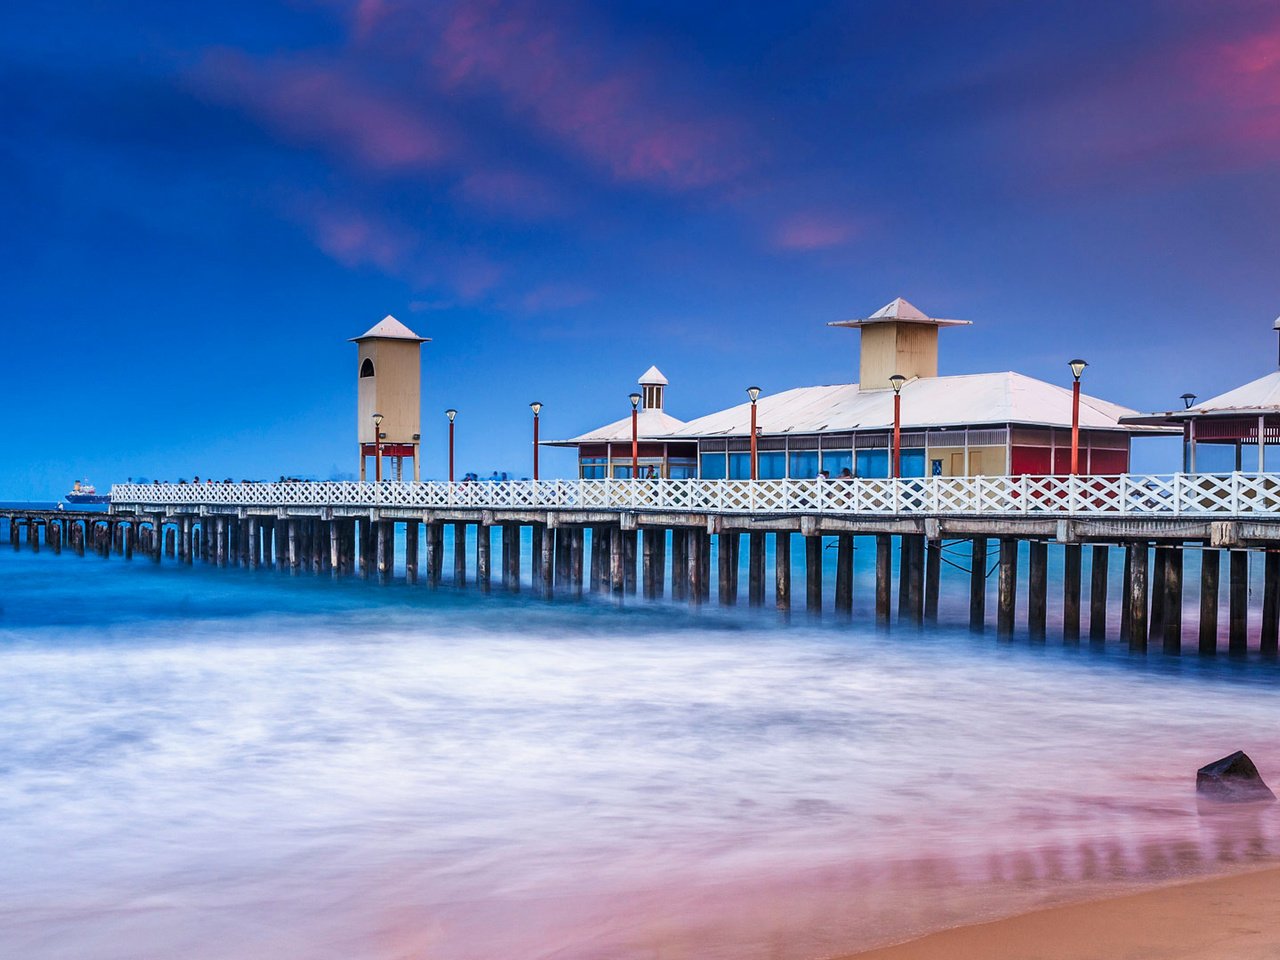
pixel 654 538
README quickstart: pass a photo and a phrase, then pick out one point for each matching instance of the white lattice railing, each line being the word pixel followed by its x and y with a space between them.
pixel 1232 494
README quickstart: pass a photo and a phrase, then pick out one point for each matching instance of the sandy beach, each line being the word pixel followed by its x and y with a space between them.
pixel 1228 918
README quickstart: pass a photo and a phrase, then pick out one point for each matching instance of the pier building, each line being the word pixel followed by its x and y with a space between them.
pixel 987 424
pixel 606 451
pixel 389 398
pixel 1231 431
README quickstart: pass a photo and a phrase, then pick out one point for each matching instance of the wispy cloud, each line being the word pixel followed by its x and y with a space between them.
pixel 610 111
pixel 808 232
pixel 325 105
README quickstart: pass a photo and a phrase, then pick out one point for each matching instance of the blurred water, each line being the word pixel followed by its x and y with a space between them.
pixel 206 763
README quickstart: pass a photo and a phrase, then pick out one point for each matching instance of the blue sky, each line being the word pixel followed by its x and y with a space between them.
pixel 203 202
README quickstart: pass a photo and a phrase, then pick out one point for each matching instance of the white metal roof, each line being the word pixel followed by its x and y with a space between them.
pixel 1261 396
pixel 650 424
pixel 900 311
pixel 967 400
pixel 389 328
pixel 652 378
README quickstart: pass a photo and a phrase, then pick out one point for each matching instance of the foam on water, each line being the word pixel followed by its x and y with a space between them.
pixel 207 763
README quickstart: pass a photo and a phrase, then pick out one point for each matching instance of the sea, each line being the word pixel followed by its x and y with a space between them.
pixel 205 763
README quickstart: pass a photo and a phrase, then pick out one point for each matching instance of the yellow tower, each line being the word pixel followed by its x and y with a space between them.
pixel 389 396
pixel 897 339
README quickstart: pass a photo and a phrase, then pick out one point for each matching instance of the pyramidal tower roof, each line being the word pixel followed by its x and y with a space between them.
pixel 652 378
pixel 899 310
pixel 389 328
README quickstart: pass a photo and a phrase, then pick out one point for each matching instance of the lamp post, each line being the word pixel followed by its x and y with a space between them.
pixel 1077 368
pixel 635 435
pixel 1187 400
pixel 754 394
pixel 377 448
pixel 536 407
pixel 896 381
pixel 451 413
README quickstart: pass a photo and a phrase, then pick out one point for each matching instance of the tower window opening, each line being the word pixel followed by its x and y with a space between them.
pixel 366 368
pixel 652 397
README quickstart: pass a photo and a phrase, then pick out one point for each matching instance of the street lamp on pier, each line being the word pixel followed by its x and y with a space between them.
pixel 635 435
pixel 451 413
pixel 536 407
pixel 896 381
pixel 1187 400
pixel 1077 368
pixel 377 447
pixel 754 394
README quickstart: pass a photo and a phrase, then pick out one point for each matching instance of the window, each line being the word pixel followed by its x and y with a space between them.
pixel 804 464
pixel 772 466
pixel 713 466
pixel 366 368
pixel 912 462
pixel 739 466
pixel 872 463
pixel 592 468
pixel 837 461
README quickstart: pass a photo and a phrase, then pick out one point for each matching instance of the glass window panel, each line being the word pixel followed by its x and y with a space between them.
pixel 912 462
pixel 712 466
pixel 835 462
pixel 682 471
pixel 740 466
pixel 804 464
pixel 773 465
pixel 872 463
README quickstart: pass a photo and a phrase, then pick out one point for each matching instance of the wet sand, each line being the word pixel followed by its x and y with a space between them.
pixel 1228 918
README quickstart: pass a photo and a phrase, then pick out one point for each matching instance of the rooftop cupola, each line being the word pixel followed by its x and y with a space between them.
pixel 389 395
pixel 897 338
pixel 653 385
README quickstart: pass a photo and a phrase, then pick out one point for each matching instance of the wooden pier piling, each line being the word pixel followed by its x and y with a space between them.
pixel 1210 565
pixel 1268 635
pixel 1098 561
pixel 813 575
pixel 1137 597
pixel 1007 587
pixel 1172 590
pixel 1071 570
pixel 1238 603
pixel 1037 588
pixel 782 571
pixel 844 576
pixel 978 584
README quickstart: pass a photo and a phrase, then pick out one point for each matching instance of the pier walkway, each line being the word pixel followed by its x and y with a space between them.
pixel 646 535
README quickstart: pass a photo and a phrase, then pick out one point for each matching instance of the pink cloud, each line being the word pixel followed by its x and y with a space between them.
pixel 555 296
pixel 813 232
pixel 325 106
pixel 354 239
pixel 609 110
pixel 510 191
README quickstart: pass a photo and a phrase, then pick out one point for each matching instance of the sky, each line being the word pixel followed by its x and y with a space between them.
pixel 203 202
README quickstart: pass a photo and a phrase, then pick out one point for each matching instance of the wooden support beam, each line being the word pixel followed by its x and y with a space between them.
pixel 617 563
pixel 726 561
pixel 1072 565
pixel 978 584
pixel 597 558
pixel 484 543
pixel 697 544
pixel 813 576
pixel 1270 603
pixel 755 568
pixel 1210 565
pixel 1157 577
pixel 1172 590
pixel 1037 588
pixel 1007 588
pixel 630 541
pixel 679 563
pixel 844 576
pixel 386 549
pixel 905 544
pixel 433 543
pixel 295 560
pixel 884 577
pixel 1099 556
pixel 411 538
pixel 516 545
pixel 254 544
pixel 782 571
pixel 932 579
pixel 1137 597
pixel 1238 602
pixel 659 561
pixel 915 578
pixel 335 547
pixel 535 556
pixel 1126 584
pixel 504 555
pixel 578 546
pixel 547 560
pixel 460 554
pixel 646 563
pixel 130 535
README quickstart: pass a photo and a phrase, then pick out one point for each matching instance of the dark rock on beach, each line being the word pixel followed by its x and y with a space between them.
pixel 1232 779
